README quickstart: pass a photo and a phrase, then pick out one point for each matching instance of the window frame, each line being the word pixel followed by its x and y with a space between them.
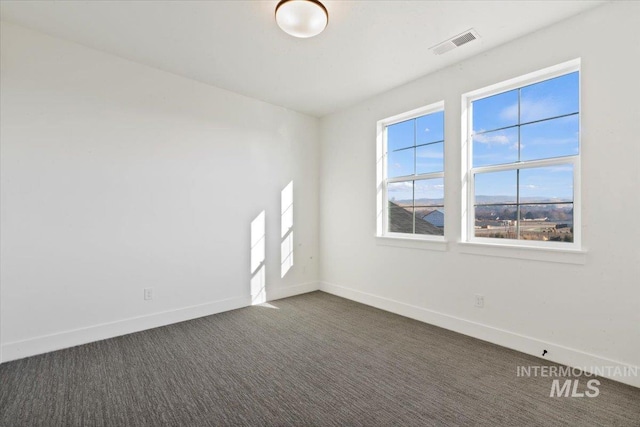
pixel 468 171
pixel 387 237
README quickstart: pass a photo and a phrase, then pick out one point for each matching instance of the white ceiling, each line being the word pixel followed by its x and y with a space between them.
pixel 368 47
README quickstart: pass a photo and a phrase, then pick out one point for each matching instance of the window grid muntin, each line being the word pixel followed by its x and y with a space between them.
pixel 418 146
pixel 573 160
pixel 413 179
pixel 522 124
pixel 433 109
pixel 569 160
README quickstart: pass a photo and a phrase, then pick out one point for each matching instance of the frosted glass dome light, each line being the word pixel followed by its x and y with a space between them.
pixel 302 18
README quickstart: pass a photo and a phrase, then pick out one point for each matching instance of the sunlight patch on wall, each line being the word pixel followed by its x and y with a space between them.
pixel 258 256
pixel 286 229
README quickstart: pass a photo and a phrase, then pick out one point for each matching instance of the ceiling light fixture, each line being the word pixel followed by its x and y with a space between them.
pixel 302 18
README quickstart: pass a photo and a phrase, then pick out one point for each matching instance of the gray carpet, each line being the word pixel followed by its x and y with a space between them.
pixel 315 360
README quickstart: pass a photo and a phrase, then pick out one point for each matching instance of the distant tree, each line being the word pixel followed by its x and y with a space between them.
pixel 508 214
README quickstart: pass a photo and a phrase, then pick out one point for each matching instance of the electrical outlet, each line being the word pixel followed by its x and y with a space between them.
pixel 148 293
pixel 479 301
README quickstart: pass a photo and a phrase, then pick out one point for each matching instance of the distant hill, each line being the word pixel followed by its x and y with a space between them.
pixel 495 199
pixel 559 211
pixel 512 199
pixel 420 202
pixel 554 213
pixel 483 200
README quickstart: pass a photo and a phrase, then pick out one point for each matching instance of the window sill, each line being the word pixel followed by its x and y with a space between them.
pixel 564 256
pixel 412 243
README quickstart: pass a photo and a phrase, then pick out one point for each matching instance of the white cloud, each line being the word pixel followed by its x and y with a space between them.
pixel 423 186
pixel 400 186
pixel 510 113
pixel 531 109
pixel 430 155
pixel 489 139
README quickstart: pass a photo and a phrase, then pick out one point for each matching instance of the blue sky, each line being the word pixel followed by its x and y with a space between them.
pixel 548 137
pixel 416 146
pixel 553 182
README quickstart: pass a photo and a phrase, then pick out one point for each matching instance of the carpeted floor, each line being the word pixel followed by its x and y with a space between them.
pixel 315 360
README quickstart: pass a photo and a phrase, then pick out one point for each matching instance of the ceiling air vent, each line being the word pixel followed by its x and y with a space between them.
pixel 454 42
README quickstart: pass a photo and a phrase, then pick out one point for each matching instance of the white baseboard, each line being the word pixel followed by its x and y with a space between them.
pixel 290 291
pixel 525 344
pixel 57 341
pixel 43 344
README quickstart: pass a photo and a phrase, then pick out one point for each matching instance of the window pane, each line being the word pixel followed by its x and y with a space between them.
pixel 430 128
pixel 535 122
pixel 550 184
pixel 430 220
pixel 495 112
pixel 400 193
pixel 430 158
pixel 400 218
pixel 400 135
pixel 495 148
pixel 550 98
pixel 401 163
pixel 429 192
pixel 400 196
pixel 547 222
pixel 429 206
pixel 496 187
pixel 496 221
pixel 551 138
pixel 415 146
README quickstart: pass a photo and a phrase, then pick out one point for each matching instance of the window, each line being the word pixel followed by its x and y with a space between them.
pixel 522 169
pixel 411 174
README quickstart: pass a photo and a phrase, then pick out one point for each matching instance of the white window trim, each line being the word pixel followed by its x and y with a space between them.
pixel 412 242
pixel 502 250
pixel 384 237
pixel 468 196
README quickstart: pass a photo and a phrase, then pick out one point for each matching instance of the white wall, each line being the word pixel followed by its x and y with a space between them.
pixel 583 314
pixel 117 176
